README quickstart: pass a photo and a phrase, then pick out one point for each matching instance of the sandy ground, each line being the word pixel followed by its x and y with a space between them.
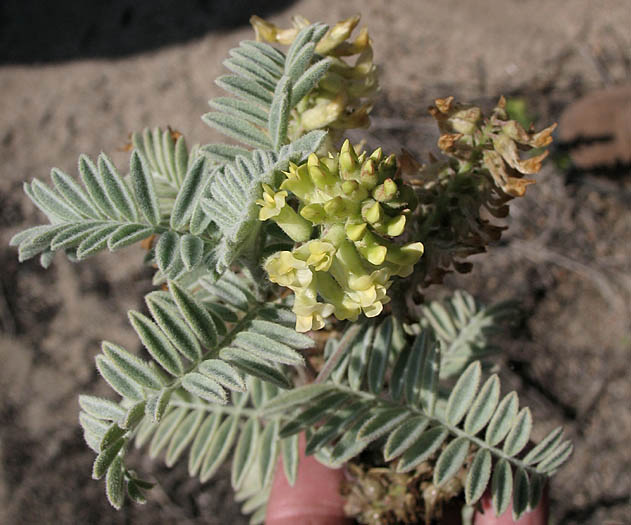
pixel 78 80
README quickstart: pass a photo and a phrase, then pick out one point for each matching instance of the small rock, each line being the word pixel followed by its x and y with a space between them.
pixel 597 128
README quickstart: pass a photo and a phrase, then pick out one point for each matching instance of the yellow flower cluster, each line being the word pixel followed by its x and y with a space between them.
pixel 356 205
pixel 344 96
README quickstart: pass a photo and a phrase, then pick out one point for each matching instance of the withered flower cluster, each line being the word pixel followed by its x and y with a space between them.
pixel 460 193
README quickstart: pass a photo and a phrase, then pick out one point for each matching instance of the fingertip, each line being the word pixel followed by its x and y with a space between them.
pixel 314 499
pixel 538 516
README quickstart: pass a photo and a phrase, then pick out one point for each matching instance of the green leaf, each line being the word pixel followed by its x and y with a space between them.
pixel 483 406
pixel 219 448
pixel 204 387
pixel 113 433
pixel 423 448
pixel 249 69
pixel 336 425
pixel 243 109
pixel 239 129
pixel 414 367
pixel 246 89
pixel 451 460
pixel 72 235
pixel 156 343
pixel 521 494
pixel 95 186
pixel 105 459
pixel 195 315
pixel 397 377
pixel 537 483
pixel 290 453
pixel 168 155
pixel 117 378
pixel 74 195
pixel 169 424
pixel 519 433
pixel 279 112
pixel 379 356
pixel 273 57
pixel 181 159
pixel 463 393
pixel 128 234
pixel 158 403
pixel 501 486
pixel 116 190
pixel 145 430
pixel 478 476
pixel 183 435
pixel 259 60
pixel 115 483
pixel 94 242
pixel 430 378
pixel 547 444
pixel 144 189
pixel 222 153
pixel 35 240
pixel 101 408
pixel 300 61
pixel 282 334
pixel 349 445
pixel 167 251
pixel 255 366
pixel 95 426
pixel 303 39
pixel 502 419
pixel 47 200
pixel 268 349
pixel 300 148
pixel 255 389
pixel 245 452
pixel 134 415
pixel 170 322
pixel 92 440
pixel 556 458
pixel 404 436
pixel 317 408
pixel 382 422
pixel 308 80
pixel 359 354
pixel 202 443
pixel 33 232
pixel 135 493
pixel 441 321
pixel 223 373
pixel 191 251
pixel 268 451
pixel 189 194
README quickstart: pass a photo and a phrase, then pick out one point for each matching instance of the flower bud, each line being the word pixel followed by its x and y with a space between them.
pixel 395 226
pixel 385 191
pixel 348 160
pixel 372 212
pixel 355 231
